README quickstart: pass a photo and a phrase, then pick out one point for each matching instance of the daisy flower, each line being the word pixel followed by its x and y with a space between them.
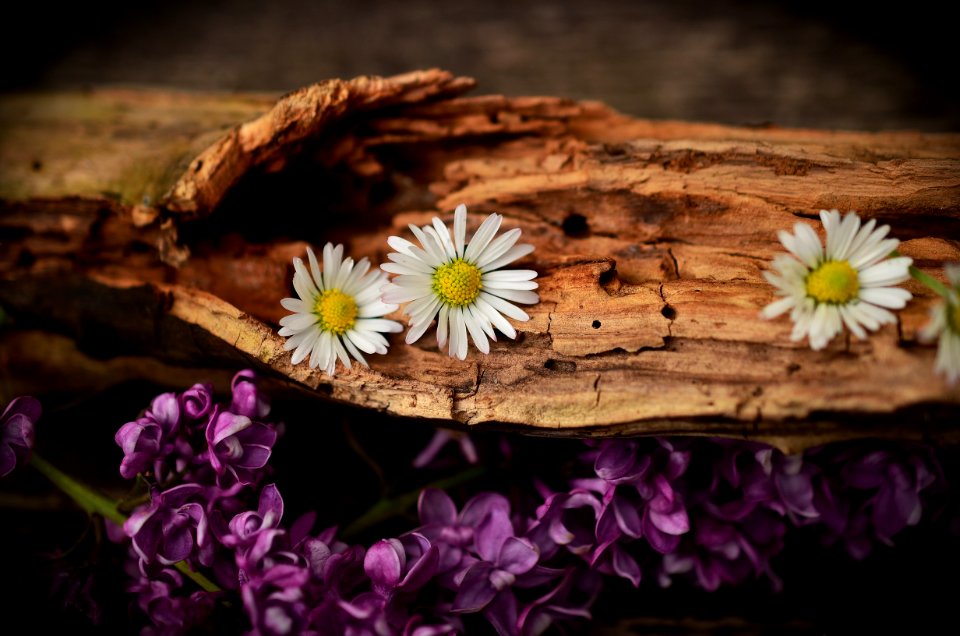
pixel 338 312
pixel 945 325
pixel 849 282
pixel 458 281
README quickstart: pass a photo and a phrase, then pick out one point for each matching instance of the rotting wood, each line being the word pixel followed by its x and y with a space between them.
pixel 651 238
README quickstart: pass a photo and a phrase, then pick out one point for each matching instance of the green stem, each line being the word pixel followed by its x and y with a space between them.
pixel 95 503
pixel 88 499
pixel 387 508
pixel 930 281
pixel 205 584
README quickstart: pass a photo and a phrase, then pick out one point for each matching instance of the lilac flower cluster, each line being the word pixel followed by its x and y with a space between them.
pixel 713 512
pixel 200 459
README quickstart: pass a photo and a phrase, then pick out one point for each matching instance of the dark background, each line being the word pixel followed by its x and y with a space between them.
pixel 811 63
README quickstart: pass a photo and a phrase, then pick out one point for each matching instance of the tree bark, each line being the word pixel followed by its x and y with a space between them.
pixel 164 224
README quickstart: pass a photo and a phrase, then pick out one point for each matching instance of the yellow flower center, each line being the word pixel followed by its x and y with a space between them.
pixel 834 282
pixel 457 283
pixel 336 310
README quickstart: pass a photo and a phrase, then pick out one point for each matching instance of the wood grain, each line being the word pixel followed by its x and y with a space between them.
pixel 651 239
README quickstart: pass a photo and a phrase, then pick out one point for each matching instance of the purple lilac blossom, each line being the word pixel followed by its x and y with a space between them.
pixel 238 447
pixel 172 528
pixel 147 441
pixel 170 612
pixel 715 512
pixel 16 432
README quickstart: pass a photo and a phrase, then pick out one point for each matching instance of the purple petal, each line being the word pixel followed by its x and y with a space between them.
pixel 384 562
pixel 628 516
pixel 476 510
pixel 518 555
pixel 674 522
pixel 165 409
pixel 492 533
pixel 422 571
pixel 502 614
pixel 659 540
pixel 197 401
pixel 475 591
pixel 8 460
pixel 436 507
pixel 616 460
pixel 271 503
pixel 624 565
pixel 607 527
pixel 797 493
pixel 24 405
pixel 224 425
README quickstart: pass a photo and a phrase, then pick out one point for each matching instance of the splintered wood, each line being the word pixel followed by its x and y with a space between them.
pixel 163 226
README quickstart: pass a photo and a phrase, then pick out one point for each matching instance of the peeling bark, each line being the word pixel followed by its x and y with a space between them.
pixel 651 239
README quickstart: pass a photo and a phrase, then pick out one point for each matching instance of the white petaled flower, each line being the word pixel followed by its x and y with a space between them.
pixel 847 283
pixel 460 282
pixel 339 312
pixel 945 325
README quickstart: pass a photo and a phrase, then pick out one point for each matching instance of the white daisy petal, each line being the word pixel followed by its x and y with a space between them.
pixel 778 307
pixel 510 284
pixel 364 344
pixel 516 295
pixel 409 262
pixel 496 318
pixel 442 235
pixel 443 324
pixel 476 332
pixel 485 233
pixel 293 304
pixel 355 353
pixel 339 312
pixel 889 297
pixel 510 275
pixel 497 248
pixel 846 284
pixel 416 331
pixel 482 321
pixel 343 274
pixel 298 322
pixel 456 282
pixel 512 254
pixel 375 308
pixel 379 324
pixel 888 272
pixel 460 324
pixel 315 270
pixel 505 308
pixel 401 245
pixel 395 294
pixel 341 352
pixel 305 347
pixel 460 229
pixel 433 250
pixel 868 257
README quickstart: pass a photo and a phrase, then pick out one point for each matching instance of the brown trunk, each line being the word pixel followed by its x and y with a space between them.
pixel 161 224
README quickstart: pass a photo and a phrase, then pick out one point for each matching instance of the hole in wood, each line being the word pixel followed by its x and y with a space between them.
pixel 576 226
pixel 596 324
pixel 668 312
pixel 561 366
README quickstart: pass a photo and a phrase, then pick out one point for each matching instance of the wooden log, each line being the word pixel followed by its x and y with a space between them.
pixel 651 239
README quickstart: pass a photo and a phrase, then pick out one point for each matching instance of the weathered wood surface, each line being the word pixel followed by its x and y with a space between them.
pixel 651 238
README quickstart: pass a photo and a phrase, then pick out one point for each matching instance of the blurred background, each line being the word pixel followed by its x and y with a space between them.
pixel 812 63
